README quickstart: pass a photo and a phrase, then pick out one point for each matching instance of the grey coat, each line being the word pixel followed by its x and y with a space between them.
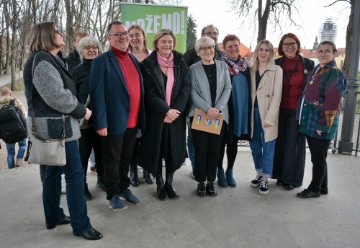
pixel 54 94
pixel 200 93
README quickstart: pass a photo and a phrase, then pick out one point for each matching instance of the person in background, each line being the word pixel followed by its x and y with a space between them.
pixel 191 57
pixel 116 93
pixel 48 102
pixel 290 149
pixel 73 59
pixel 138 48
pixel 211 89
pixel 318 114
pixel 239 108
pixel 167 91
pixel 5 99
pixel 89 48
pixel 266 85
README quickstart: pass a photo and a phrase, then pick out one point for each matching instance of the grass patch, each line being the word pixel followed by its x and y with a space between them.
pixel 19 85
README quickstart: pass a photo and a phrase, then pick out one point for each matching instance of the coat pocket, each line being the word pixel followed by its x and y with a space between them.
pixel 55 127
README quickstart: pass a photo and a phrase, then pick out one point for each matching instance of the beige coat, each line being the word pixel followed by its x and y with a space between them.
pixel 268 96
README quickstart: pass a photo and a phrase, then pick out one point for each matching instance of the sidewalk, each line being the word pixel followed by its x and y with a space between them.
pixel 237 218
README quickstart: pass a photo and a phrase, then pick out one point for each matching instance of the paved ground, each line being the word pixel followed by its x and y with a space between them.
pixel 237 218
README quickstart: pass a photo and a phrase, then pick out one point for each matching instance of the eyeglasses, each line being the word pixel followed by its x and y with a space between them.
pixel 211 33
pixel 289 44
pixel 91 47
pixel 118 34
pixel 206 48
pixel 327 51
pixel 58 31
pixel 137 35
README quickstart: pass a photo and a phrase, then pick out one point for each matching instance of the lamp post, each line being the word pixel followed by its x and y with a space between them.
pixel 346 143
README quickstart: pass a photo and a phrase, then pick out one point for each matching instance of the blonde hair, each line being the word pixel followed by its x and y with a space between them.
pixel 255 59
pixel 162 33
pixel 136 26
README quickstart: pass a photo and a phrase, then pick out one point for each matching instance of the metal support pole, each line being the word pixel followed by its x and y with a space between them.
pixel 346 143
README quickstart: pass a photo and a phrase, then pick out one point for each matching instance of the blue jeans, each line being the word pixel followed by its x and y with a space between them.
pixel 11 152
pixel 74 178
pixel 262 152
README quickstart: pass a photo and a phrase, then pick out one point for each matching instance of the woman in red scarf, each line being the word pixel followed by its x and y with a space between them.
pixel 167 90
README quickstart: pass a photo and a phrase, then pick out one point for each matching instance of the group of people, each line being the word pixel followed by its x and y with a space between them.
pixel 135 105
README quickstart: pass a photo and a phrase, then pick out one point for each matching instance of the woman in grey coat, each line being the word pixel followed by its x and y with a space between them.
pixel 211 89
pixel 50 94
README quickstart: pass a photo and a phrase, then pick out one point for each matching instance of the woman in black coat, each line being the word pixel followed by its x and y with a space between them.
pixel 167 90
pixel 89 48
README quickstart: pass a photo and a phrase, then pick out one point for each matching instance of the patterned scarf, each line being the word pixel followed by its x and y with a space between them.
pixel 169 64
pixel 235 68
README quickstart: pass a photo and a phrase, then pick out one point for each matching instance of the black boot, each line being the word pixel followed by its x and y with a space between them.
pixel 87 193
pixel 169 188
pixel 160 189
pixel 149 179
pixel 134 179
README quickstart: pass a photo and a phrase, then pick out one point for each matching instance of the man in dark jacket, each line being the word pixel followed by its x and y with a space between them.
pixel 73 59
pixel 116 93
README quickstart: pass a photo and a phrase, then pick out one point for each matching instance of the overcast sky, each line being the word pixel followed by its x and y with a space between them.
pixel 310 17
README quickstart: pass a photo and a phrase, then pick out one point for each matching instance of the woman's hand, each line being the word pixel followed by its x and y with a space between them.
pixel 102 132
pixel 266 125
pixel 212 112
pixel 88 114
pixel 172 115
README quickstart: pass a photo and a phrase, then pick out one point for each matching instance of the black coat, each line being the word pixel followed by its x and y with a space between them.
pixel 81 75
pixel 72 60
pixel 156 109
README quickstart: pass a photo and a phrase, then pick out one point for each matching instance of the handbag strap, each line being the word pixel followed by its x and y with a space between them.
pixel 33 127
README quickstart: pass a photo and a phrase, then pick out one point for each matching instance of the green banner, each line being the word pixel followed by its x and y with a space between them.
pixel 153 18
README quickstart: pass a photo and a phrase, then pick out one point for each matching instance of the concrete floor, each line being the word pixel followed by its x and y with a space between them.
pixel 238 217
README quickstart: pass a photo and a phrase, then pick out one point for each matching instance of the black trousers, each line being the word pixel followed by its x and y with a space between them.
pixel 90 140
pixel 231 152
pixel 207 153
pixel 318 149
pixel 290 150
pixel 117 151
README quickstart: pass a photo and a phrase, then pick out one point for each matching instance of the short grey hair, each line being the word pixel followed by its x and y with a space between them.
pixel 88 41
pixel 204 41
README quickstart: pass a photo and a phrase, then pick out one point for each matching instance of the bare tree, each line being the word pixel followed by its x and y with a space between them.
pixel 265 11
pixel 349 33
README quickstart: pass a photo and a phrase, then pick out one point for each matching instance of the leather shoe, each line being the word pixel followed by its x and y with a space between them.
pixel 90 234
pixel 64 221
pixel 306 193
pixel 288 186
pixel 324 191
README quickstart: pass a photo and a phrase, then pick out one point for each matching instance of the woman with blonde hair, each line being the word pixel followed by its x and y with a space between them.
pixel 167 90
pixel 138 48
pixel 266 86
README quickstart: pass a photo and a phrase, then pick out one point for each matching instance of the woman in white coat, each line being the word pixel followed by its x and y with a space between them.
pixel 266 86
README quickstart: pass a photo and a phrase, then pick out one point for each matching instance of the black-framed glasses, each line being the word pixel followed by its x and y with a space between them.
pixel 91 47
pixel 118 34
pixel 289 44
pixel 207 48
